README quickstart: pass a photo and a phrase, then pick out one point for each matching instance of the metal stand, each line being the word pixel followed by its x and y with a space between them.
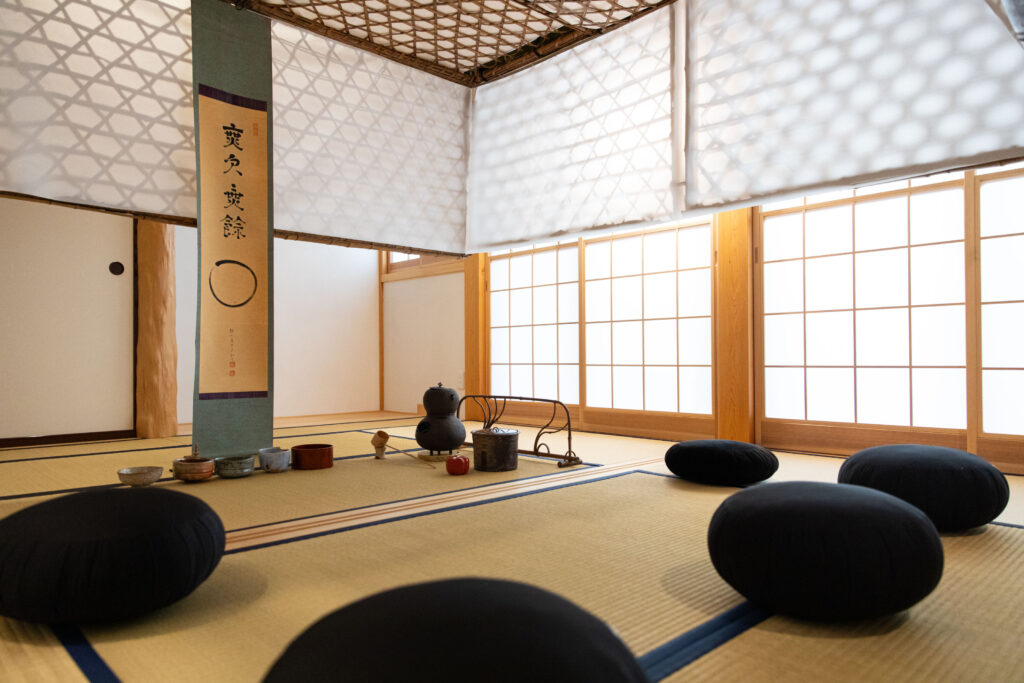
pixel 493 410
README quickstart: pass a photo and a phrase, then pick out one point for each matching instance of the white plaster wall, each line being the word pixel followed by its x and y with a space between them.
pixel 424 338
pixel 326 334
pixel 66 333
pixel 186 257
pixel 326 344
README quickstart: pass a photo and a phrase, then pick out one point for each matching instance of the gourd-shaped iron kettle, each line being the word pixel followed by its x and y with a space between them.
pixel 440 430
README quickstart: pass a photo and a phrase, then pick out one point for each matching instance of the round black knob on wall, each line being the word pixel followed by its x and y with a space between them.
pixel 116 267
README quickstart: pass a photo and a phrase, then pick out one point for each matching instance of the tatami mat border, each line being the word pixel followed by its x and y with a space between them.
pixel 158 448
pixel 78 489
pixel 1009 524
pixel 659 663
pixel 397 501
pixel 10 449
pixel 84 655
pixel 333 522
pixel 82 455
pixel 347 422
pixel 666 659
pixel 423 513
pixel 58 492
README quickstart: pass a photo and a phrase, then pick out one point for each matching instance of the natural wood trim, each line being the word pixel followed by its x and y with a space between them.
pixel 190 222
pixel 156 389
pixel 419 260
pixel 581 316
pixel 847 438
pixel 284 14
pixel 20 441
pixel 477 346
pixel 733 325
pixel 665 426
pixel 972 298
pixel 1007 454
pixel 140 215
pixel 354 243
pixel 999 175
pixel 455 265
pixel 857 199
pixel 526 412
pixel 757 290
pixel 381 257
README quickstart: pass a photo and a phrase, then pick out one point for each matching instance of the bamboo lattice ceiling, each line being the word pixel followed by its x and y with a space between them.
pixel 465 42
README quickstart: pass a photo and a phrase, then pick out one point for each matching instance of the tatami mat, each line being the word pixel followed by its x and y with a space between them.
pixel 31 653
pixel 605 449
pixel 263 498
pixel 386 424
pixel 629 548
pixel 65 451
pixel 970 628
pixel 40 471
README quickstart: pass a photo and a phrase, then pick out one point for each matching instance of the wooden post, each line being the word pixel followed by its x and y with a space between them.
pixel 382 262
pixel 477 331
pixel 972 294
pixel 734 325
pixel 156 370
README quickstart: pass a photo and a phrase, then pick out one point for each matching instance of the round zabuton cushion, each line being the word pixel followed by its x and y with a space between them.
pixel 957 489
pixel 459 630
pixel 105 554
pixel 824 551
pixel 721 462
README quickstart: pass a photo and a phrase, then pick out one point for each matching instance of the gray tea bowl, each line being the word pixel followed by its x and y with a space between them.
pixel 234 466
pixel 274 459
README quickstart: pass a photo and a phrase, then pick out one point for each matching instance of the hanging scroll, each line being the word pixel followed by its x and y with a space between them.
pixel 233 404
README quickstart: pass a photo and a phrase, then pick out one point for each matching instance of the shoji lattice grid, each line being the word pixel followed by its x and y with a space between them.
pixel 1001 205
pixel 365 147
pixel 790 95
pixel 648 321
pixel 580 141
pixel 535 323
pixel 864 306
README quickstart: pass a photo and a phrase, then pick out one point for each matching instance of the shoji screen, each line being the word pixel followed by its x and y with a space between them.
pixel 788 96
pixel 582 140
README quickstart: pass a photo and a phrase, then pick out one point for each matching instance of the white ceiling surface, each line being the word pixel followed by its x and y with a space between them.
pixel 783 96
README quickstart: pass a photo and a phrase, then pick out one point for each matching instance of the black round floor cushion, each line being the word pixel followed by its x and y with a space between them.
pixel 721 462
pixel 957 489
pixel 105 554
pixel 458 630
pixel 823 551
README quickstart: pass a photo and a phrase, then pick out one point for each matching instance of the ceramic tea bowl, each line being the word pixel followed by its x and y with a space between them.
pixel 234 466
pixel 193 469
pixel 274 459
pixel 139 476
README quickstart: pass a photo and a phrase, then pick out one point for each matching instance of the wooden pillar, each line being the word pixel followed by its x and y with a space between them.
pixel 156 369
pixel 477 330
pixel 382 267
pixel 734 326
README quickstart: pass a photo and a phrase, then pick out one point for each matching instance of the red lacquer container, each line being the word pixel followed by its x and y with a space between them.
pixel 312 456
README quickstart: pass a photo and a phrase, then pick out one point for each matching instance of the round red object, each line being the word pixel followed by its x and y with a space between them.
pixel 456 464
